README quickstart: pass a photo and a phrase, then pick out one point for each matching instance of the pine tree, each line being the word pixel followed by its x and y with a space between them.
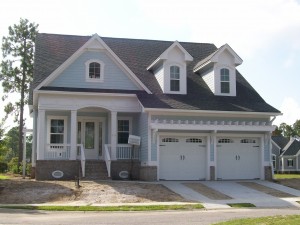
pixel 17 70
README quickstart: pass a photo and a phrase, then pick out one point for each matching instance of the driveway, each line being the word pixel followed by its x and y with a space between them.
pixel 260 193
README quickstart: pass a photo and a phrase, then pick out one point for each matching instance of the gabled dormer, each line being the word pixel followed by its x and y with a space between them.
pixel 218 70
pixel 170 69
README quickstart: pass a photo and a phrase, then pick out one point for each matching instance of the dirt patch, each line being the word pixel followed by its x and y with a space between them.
pixel 267 190
pixel 292 183
pixel 28 192
pixel 208 192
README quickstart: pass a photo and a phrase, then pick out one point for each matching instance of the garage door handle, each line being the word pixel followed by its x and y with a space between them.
pixel 239 157
pixel 183 157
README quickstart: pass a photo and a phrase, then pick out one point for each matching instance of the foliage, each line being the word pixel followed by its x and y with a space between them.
pixel 288 130
pixel 17 70
pixel 241 205
pixel 3 167
pixel 3 177
pixel 13 165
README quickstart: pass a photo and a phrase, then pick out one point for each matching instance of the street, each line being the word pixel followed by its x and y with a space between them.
pixel 8 216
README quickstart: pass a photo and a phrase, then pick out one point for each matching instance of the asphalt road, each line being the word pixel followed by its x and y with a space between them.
pixel 133 218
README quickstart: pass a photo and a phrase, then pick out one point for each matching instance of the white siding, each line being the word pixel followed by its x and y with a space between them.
pixel 159 75
pixel 209 78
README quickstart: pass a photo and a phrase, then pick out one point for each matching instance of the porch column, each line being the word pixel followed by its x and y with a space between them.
pixel 113 134
pixel 34 139
pixel 73 149
pixel 41 135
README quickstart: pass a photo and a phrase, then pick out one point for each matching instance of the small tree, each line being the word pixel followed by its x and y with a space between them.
pixel 17 70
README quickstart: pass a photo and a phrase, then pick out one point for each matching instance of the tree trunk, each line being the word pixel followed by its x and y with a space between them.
pixel 21 125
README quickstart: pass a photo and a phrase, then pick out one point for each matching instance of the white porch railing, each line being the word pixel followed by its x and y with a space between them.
pixel 107 159
pixel 57 151
pixel 126 151
pixel 82 159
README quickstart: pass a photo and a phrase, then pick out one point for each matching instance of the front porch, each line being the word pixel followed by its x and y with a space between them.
pixel 75 137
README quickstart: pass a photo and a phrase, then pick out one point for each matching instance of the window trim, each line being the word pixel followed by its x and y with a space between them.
pixel 172 79
pixel 87 67
pixel 292 162
pixel 130 127
pixel 49 118
pixel 221 81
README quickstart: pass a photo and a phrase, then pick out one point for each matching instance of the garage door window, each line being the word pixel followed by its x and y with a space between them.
pixel 248 141
pixel 193 140
pixel 225 140
pixel 170 140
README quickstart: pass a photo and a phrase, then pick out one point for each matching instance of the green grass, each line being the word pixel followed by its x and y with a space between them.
pixel 241 205
pixel 3 176
pixel 271 220
pixel 286 176
pixel 110 208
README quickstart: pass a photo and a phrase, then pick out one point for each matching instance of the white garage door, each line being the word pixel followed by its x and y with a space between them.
pixel 238 158
pixel 182 158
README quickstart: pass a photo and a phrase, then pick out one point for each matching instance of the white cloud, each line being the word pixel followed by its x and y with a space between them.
pixel 245 25
pixel 291 111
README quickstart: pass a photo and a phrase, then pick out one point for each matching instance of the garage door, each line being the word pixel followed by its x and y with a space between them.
pixel 182 158
pixel 238 158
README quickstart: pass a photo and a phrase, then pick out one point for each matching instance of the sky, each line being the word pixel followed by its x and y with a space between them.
pixel 265 34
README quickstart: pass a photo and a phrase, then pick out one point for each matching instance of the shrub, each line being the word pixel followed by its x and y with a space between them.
pixel 3 167
pixel 13 165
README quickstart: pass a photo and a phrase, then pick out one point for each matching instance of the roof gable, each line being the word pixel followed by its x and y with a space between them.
pixel 165 54
pixel 292 148
pixel 95 42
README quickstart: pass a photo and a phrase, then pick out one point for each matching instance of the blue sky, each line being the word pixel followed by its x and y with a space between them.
pixel 265 34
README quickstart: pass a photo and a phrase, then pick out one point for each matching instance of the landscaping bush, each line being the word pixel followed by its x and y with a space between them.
pixel 3 167
pixel 13 165
pixel 28 168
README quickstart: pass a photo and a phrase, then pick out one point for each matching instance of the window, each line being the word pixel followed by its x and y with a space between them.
pixel 225 140
pixel 225 88
pixel 123 131
pixel 94 70
pixel 174 78
pixel 170 140
pixel 290 162
pixel 56 129
pixel 245 141
pixel 274 161
pixel 193 140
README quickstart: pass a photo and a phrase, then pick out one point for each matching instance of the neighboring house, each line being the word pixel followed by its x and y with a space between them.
pixel 278 144
pixel 290 156
pixel 196 115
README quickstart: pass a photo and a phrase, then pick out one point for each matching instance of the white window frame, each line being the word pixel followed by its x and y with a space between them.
pixel 290 160
pixel 87 67
pixel 130 127
pixel 179 80
pixel 65 119
pixel 221 81
pixel 274 159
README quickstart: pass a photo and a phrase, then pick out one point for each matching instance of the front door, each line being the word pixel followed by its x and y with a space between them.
pixel 90 134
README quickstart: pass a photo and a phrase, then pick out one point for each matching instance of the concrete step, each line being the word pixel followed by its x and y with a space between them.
pixel 95 170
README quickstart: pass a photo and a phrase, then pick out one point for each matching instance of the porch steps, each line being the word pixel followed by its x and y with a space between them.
pixel 95 170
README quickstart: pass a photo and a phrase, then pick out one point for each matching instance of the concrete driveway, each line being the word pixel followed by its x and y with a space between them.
pixel 238 192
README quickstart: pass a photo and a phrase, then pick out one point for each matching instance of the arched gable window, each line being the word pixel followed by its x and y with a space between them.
pixel 94 70
pixel 225 82
pixel 174 78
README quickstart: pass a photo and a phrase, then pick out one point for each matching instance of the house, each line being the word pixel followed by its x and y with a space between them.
pixel 278 143
pixel 290 157
pixel 195 116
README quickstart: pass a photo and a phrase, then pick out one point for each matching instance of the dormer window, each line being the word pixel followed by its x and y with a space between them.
pixel 225 83
pixel 94 70
pixel 174 78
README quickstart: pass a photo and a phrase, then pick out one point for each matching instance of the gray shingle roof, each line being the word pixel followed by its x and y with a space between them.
pixel 292 149
pixel 52 50
pixel 280 140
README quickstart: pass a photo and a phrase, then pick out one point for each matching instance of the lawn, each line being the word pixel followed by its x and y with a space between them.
pixel 3 176
pixel 271 220
pixel 286 176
